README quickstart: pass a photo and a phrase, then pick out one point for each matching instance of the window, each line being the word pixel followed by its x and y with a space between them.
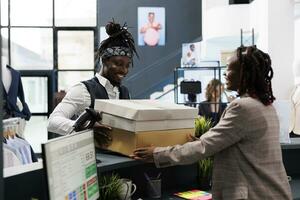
pixel 4 49
pixel 4 12
pixel 48 37
pixel 36 93
pixel 31 48
pixel 75 13
pixel 75 50
pixel 66 79
pixel 31 12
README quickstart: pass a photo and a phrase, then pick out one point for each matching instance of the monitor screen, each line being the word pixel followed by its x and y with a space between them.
pixel 71 169
pixel 190 87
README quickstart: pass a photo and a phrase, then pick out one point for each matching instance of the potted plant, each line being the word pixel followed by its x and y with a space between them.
pixel 205 165
pixel 109 187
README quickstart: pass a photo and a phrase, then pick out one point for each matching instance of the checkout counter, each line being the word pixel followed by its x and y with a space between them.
pixel 29 183
pixel 182 178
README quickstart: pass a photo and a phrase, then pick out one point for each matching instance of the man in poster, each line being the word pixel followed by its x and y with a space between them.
pixel 151 30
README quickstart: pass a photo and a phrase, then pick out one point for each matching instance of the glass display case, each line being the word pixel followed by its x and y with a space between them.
pixel 196 74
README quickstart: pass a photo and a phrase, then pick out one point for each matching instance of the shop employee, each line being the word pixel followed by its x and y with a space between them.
pixel 115 54
pixel 245 142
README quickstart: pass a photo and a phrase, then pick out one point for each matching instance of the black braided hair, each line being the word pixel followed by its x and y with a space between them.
pixel 256 74
pixel 118 36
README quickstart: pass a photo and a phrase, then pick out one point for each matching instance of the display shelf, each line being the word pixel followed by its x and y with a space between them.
pixel 203 74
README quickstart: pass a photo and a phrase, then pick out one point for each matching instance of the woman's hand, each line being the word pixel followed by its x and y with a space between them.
pixel 144 154
pixel 192 138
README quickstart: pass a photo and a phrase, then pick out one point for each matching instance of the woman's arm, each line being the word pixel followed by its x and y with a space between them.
pixel 226 133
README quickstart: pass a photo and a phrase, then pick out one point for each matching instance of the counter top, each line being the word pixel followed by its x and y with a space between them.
pixel 114 161
pixel 111 162
pixel 295 144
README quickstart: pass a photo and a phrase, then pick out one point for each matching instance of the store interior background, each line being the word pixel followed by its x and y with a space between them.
pixel 36 42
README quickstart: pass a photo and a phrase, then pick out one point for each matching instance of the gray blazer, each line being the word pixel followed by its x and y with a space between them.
pixel 247 154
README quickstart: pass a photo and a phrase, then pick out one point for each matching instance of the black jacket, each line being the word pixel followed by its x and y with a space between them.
pixel 97 91
pixel 10 107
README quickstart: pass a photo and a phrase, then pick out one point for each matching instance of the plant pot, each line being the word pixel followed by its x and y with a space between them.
pixel 205 183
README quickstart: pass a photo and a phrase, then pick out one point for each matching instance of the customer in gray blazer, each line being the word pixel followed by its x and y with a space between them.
pixel 245 143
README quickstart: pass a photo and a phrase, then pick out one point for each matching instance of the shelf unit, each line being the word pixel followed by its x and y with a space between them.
pixel 203 74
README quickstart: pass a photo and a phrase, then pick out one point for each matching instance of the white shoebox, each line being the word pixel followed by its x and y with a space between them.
pixel 145 115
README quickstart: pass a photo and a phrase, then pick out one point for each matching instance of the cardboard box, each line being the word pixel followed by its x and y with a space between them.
pixel 125 142
pixel 140 123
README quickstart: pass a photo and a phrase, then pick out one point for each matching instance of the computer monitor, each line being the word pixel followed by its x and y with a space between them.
pixel 190 87
pixel 71 169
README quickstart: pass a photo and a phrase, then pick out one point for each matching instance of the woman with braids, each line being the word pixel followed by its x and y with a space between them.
pixel 245 142
pixel 115 54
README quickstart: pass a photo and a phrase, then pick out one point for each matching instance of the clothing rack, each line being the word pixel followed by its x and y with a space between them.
pixel 17 151
pixel 11 127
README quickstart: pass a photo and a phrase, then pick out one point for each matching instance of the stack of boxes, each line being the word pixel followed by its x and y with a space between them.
pixel 140 123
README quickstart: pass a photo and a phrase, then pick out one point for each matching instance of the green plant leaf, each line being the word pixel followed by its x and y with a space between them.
pixel 202 125
pixel 109 187
pixel 205 166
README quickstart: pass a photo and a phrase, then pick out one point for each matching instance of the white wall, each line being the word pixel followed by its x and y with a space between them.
pixel 259 13
pixel 225 21
pixel 273 23
pixel 297 30
pixel 221 27
pixel 281 45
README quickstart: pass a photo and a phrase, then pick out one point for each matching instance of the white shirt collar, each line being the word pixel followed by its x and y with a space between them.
pixel 113 91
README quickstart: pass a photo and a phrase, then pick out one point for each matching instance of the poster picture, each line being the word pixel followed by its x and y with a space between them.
pixel 191 54
pixel 151 26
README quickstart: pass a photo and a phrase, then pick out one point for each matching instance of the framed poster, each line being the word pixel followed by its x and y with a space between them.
pixel 191 54
pixel 151 26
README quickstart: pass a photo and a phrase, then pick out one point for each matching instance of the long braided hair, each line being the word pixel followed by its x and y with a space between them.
pixel 118 36
pixel 256 74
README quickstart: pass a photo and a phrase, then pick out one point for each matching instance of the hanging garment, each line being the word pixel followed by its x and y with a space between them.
pixel 15 91
pixel 23 149
pixel 9 158
pixel 33 156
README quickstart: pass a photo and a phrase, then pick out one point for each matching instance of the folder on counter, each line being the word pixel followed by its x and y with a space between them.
pixel 194 195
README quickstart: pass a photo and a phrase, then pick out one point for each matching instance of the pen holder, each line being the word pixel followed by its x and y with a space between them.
pixel 154 188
